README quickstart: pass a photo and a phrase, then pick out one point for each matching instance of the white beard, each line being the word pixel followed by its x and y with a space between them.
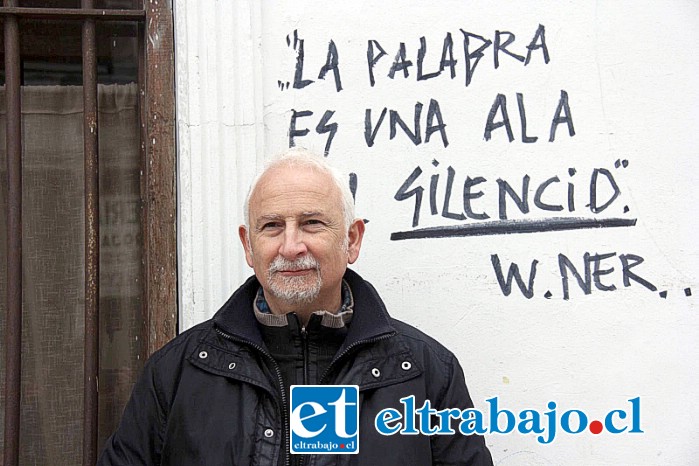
pixel 294 290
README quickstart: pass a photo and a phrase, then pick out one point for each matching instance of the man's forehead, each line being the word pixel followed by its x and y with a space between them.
pixel 294 191
pixel 294 181
pixel 291 173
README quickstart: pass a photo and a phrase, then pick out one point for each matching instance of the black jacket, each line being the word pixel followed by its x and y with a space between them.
pixel 212 395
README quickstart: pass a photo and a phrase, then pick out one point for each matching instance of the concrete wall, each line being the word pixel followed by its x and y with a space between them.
pixel 609 95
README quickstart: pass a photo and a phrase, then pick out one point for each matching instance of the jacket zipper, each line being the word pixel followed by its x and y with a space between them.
pixel 304 346
pixel 282 408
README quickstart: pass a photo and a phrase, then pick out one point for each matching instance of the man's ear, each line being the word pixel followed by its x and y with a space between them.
pixel 244 238
pixel 355 235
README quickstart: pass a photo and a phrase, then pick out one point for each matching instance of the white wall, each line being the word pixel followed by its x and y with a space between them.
pixel 630 72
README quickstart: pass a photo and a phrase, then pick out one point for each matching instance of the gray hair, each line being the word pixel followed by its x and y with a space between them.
pixel 298 157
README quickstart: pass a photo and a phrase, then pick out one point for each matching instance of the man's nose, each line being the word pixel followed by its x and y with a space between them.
pixel 293 245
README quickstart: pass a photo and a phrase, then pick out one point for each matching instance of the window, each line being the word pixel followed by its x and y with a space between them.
pixel 87 202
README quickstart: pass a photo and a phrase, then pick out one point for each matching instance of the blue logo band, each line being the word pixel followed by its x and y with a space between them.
pixel 324 419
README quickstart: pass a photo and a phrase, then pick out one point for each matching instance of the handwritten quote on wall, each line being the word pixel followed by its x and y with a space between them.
pixel 573 200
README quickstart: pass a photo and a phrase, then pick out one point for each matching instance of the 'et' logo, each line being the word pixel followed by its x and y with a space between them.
pixel 324 419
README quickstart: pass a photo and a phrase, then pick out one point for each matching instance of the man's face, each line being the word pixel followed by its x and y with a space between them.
pixel 299 247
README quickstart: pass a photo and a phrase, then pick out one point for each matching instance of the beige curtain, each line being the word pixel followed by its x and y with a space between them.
pixel 53 261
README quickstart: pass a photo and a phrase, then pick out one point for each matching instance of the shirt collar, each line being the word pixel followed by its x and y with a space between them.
pixel 338 319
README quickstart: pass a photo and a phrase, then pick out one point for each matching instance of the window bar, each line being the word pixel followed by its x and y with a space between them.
pixel 73 13
pixel 143 134
pixel 13 330
pixel 90 140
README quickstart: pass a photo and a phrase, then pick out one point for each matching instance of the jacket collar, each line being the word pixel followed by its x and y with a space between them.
pixel 370 319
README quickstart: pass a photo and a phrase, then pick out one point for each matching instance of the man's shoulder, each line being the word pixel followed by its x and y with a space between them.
pixel 182 345
pixel 375 315
pixel 421 343
pixel 227 317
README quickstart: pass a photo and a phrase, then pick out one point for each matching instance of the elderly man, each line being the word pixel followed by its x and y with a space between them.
pixel 218 394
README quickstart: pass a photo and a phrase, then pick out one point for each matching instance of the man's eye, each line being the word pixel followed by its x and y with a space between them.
pixel 270 225
pixel 314 222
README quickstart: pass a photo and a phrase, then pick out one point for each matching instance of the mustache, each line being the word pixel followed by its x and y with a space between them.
pixel 280 264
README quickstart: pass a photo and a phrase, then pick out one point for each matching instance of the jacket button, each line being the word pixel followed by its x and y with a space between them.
pixel 203 355
pixel 231 366
pixel 269 433
pixel 375 372
pixel 406 365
